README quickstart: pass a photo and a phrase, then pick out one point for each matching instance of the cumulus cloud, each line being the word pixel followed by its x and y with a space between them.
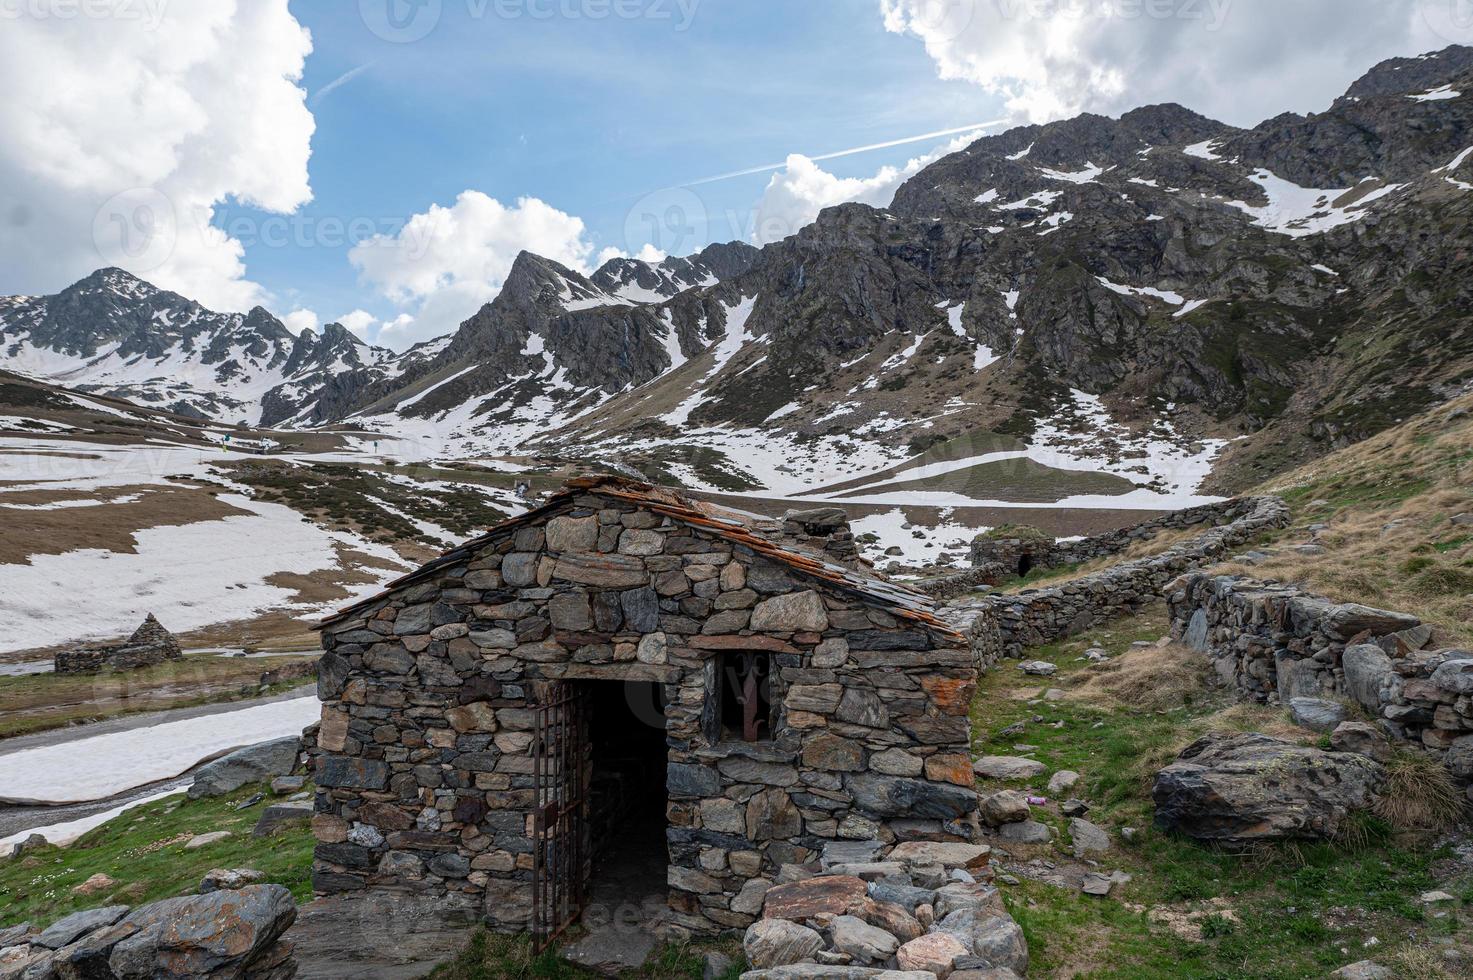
pixel 796 193
pixel 299 321
pixel 1240 61
pixel 445 263
pixel 127 123
pixel 648 252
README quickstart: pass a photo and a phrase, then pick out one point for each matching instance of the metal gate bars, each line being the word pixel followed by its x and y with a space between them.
pixel 560 807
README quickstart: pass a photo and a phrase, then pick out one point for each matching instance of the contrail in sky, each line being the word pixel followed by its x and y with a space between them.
pixel 851 151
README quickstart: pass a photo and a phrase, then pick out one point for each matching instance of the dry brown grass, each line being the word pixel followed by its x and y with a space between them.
pixel 107 526
pixel 1419 795
pixel 1387 504
pixel 1156 678
pixel 1254 718
pixel 1424 961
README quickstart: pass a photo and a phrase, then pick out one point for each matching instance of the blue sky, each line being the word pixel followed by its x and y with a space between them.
pixel 590 117
pixel 241 151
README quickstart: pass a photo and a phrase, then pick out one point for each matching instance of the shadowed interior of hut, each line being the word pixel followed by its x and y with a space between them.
pixel 627 797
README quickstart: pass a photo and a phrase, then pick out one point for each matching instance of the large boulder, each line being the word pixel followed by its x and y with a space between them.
pixel 222 934
pixel 1239 789
pixel 253 764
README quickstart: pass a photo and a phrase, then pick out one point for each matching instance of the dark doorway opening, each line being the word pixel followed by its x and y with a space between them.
pixel 1025 565
pixel 626 813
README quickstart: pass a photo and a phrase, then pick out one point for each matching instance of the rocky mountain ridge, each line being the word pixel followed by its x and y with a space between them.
pixel 1147 296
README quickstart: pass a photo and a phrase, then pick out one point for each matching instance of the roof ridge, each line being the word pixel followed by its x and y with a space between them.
pixel 895 598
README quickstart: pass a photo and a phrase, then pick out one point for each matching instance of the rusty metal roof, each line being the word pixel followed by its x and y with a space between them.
pixel 892 597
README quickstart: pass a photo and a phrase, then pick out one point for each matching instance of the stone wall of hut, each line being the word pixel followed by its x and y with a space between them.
pixel 425 773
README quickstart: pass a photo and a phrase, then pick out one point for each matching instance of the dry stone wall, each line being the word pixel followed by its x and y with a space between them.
pixel 1006 552
pixel 1005 625
pixel 1276 643
pixel 425 774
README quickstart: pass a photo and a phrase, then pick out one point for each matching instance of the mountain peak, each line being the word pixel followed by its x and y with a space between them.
pixel 1401 76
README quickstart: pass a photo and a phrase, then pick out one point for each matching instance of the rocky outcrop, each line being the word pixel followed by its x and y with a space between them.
pixel 227 935
pixel 253 764
pixel 1242 789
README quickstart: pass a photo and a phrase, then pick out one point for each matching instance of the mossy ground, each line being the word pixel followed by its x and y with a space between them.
pixel 143 850
pixel 1275 912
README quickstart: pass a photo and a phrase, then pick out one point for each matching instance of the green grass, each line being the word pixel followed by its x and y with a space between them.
pixel 1292 907
pixel 143 849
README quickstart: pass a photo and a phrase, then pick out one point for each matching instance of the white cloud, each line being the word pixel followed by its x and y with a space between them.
pixel 1240 61
pixel 122 134
pixel 299 321
pixel 361 323
pixel 648 252
pixel 445 263
pixel 795 194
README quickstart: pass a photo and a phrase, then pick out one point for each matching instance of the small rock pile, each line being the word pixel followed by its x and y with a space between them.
pixel 923 911
pixel 222 934
pixel 821 529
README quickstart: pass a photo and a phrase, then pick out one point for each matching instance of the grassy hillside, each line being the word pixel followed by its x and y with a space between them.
pixel 1392 532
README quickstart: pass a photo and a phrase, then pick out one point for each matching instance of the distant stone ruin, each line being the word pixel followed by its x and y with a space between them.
pixel 150 644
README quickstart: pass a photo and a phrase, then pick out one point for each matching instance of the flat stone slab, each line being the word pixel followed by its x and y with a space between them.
pixel 948 854
pixel 1007 767
pixel 800 900
pixel 611 949
pixel 387 936
pixel 1026 832
pixel 850 852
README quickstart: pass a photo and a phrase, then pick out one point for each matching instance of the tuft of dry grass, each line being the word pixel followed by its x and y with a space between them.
pixel 1424 961
pixel 1259 718
pixel 1419 794
pixel 1149 679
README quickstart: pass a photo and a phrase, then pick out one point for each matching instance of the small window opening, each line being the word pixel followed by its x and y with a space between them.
pixel 747 713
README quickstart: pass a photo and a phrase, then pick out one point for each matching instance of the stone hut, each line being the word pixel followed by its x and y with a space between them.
pixel 625 676
pixel 150 644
